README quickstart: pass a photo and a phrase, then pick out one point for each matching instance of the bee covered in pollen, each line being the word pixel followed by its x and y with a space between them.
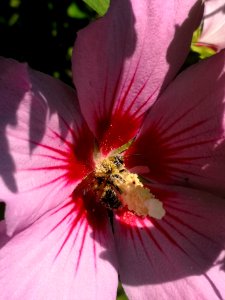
pixel 116 187
pixel 108 178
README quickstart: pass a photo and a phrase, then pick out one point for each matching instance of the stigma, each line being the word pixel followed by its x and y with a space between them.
pixel 117 187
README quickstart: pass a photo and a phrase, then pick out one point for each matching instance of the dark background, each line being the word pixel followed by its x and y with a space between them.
pixel 42 32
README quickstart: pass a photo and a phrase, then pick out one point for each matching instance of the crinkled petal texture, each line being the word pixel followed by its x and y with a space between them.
pixel 60 256
pixel 40 130
pixel 214 24
pixel 182 139
pixel 181 256
pixel 122 61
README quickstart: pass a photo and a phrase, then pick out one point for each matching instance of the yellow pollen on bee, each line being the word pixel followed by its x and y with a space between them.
pixel 134 195
pixel 105 166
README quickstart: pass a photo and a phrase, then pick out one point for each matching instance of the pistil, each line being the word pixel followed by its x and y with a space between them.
pixel 117 187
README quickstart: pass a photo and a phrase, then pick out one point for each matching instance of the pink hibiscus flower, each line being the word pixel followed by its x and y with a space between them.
pixel 213 34
pixel 77 214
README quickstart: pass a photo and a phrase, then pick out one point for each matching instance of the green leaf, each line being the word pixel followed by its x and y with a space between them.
pixel 13 19
pixel 196 34
pixel 203 51
pixel 100 6
pixel 14 3
pixel 73 11
pixel 120 293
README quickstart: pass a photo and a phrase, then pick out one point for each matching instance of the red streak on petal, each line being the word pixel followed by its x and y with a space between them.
pixel 173 172
pixel 180 221
pixel 183 235
pixel 60 137
pixel 53 149
pixel 116 131
pixel 188 160
pixel 130 230
pixel 163 159
pixel 49 157
pixel 145 103
pixel 84 232
pixel 56 167
pixel 168 236
pixel 75 169
pixel 94 250
pixel 213 47
pixel 150 235
pixel 76 165
pixel 180 118
pixel 45 184
pixel 141 108
pixel 77 154
pixel 83 143
pixel 94 212
pixel 69 203
pixel 84 211
pixel 147 251
pixel 74 211
pixel 182 210
pixel 122 102
pixel 183 131
pixel 162 146
pixel 175 150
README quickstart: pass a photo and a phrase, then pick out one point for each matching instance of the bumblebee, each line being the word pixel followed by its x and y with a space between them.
pixel 107 177
pixel 109 198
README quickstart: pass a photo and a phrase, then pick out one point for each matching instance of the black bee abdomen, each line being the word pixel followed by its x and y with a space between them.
pixel 110 200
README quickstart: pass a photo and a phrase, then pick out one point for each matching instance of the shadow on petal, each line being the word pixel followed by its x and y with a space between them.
pixel 185 244
pixel 182 139
pixel 32 105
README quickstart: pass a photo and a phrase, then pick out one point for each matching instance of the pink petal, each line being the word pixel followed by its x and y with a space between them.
pixel 60 256
pixel 178 257
pixel 45 147
pixel 122 61
pixel 214 24
pixel 182 140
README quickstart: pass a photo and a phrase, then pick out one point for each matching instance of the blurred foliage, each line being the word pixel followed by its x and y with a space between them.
pixel 43 32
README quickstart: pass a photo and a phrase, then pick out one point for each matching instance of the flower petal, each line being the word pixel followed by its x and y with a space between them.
pixel 46 147
pixel 178 257
pixel 3 236
pixel 122 61
pixel 214 24
pixel 182 140
pixel 60 256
